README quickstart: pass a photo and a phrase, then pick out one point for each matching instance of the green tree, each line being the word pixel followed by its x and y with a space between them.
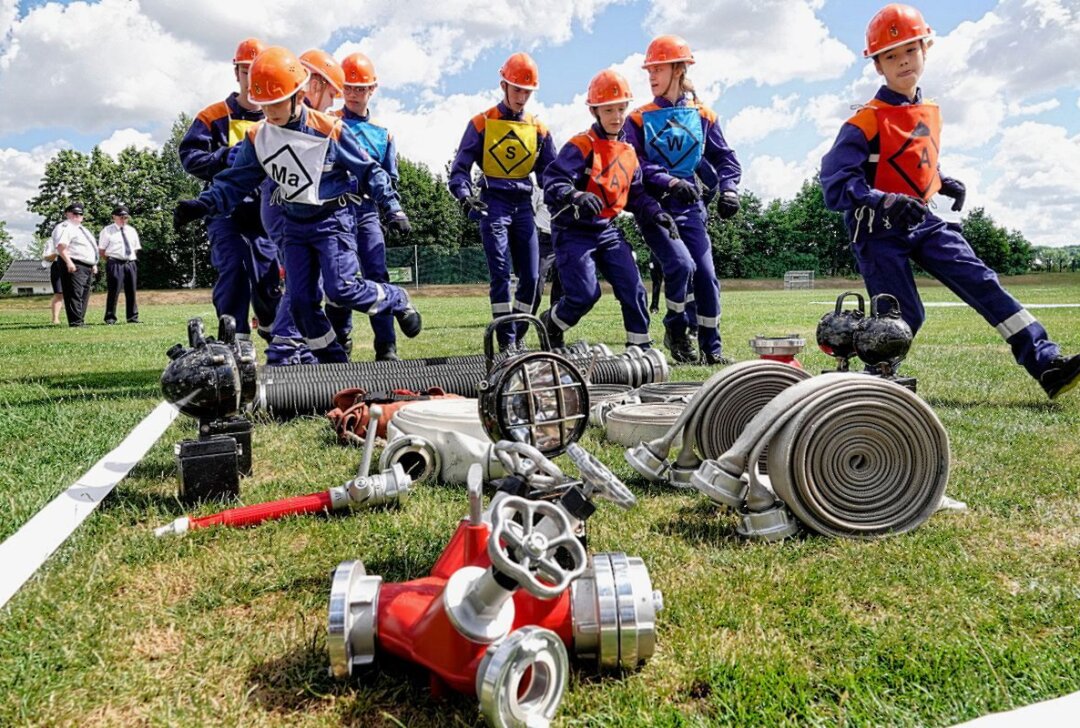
pixel 7 254
pixel 990 242
pixel 435 217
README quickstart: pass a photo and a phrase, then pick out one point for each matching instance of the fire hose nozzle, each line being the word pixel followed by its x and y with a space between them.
pixel 176 528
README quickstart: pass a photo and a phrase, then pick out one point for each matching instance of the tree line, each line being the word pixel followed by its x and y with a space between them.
pixel 764 240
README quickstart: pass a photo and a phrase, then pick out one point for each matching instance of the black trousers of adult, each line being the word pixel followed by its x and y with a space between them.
pixel 121 274
pixel 77 287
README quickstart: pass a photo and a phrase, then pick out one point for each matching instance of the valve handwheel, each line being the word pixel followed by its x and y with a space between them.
pixel 524 552
pixel 599 479
pixel 524 460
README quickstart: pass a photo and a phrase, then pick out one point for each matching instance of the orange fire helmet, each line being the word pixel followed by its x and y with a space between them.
pixel 276 75
pixel 893 26
pixel 667 49
pixel 247 50
pixel 608 87
pixel 359 70
pixel 320 62
pixel 520 70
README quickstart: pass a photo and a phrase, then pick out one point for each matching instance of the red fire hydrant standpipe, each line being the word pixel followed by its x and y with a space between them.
pixel 507 644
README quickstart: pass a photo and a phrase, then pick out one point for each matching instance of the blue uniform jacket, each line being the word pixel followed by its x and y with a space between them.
pixel 205 147
pixel 344 157
pixel 725 169
pixel 569 174
pixel 470 152
pixel 847 173
pixel 389 160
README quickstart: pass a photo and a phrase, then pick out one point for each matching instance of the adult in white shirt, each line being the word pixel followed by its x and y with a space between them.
pixel 119 244
pixel 75 247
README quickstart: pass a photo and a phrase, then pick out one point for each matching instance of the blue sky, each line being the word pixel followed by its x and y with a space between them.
pixel 781 74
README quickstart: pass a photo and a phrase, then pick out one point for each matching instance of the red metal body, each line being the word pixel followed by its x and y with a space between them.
pixel 259 512
pixel 783 359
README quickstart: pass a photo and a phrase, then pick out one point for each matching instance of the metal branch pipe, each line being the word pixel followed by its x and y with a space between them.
pixel 850 455
pixel 713 419
pixel 290 391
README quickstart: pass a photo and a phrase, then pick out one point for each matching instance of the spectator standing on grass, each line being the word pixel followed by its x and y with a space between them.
pixel 76 249
pixel 119 244
pixel 50 260
pixel 886 209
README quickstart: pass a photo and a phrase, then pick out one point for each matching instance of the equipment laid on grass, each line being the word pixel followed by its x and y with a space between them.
pixel 778 348
pixel 212 381
pixel 512 590
pixel 350 417
pixel 390 487
pixel 713 419
pixel 629 424
pixel 880 340
pixel 848 455
pixel 836 330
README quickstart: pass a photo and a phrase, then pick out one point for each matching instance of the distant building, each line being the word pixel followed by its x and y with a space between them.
pixel 28 278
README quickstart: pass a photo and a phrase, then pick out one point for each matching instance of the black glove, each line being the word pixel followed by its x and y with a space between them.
pixel 188 211
pixel 727 204
pixel 399 223
pixel 955 189
pixel 473 203
pixel 708 195
pixel 667 222
pixel 684 191
pixel 903 211
pixel 588 204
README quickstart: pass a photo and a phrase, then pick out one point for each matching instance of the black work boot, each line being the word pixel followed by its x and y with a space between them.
pixel 1062 375
pixel 346 342
pixel 556 340
pixel 386 351
pixel 408 318
pixel 717 359
pixel 681 348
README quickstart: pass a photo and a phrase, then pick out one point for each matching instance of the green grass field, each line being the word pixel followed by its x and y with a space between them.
pixel 972 613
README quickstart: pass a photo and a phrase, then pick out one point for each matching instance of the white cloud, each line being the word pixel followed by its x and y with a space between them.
pixel 121 139
pixel 20 172
pixel 769 42
pixel 754 123
pixel 1037 190
pixel 1018 109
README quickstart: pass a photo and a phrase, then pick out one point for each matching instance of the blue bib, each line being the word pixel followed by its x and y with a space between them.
pixel 373 139
pixel 674 139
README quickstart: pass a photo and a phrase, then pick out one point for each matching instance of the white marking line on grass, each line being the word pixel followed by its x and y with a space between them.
pixel 1058 712
pixel 952 304
pixel 23 553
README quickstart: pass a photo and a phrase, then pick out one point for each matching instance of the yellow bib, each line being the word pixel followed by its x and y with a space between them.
pixel 237 129
pixel 509 148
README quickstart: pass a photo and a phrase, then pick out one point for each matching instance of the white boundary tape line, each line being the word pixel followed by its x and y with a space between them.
pixel 23 553
pixel 1047 714
pixel 958 304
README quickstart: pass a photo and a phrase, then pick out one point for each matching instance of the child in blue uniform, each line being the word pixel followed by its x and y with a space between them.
pixel 244 258
pixel 314 162
pixel 508 145
pixel 883 170
pixel 594 177
pixel 674 136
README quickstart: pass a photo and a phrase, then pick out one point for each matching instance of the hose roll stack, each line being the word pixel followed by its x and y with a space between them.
pixel 848 455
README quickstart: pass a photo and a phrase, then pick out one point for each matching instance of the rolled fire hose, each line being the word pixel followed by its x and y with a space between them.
pixel 629 424
pixel 605 397
pixel 668 391
pixel 290 391
pixel 713 418
pixel 850 455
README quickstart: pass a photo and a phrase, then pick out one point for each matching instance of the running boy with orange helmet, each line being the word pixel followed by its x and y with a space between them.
pixel 508 145
pixel 287 347
pixel 882 172
pixel 674 136
pixel 594 177
pixel 244 258
pixel 360 84
pixel 313 161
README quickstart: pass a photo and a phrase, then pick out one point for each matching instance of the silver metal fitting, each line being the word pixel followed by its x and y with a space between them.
pixel 614 610
pixel 774 524
pixel 520 681
pixel 418 457
pixel 477 605
pixel 351 623
pixel 651 467
pixel 719 485
pixel 389 486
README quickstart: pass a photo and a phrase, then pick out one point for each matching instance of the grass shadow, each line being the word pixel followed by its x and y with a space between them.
pixel 1031 406
pixel 139 384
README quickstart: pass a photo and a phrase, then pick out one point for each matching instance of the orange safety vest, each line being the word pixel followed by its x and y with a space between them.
pixel 613 166
pixel 909 139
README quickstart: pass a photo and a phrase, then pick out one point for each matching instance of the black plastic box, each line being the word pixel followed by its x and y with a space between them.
pixel 208 468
